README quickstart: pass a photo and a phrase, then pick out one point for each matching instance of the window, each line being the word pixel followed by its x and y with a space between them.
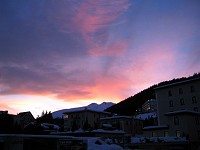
pixel 178 133
pixel 153 134
pixel 176 120
pixel 194 100
pixel 198 132
pixel 180 91
pixel 196 109
pixel 169 93
pixel 197 120
pixel 171 103
pixel 192 89
pixel 65 116
pixel 182 101
pixel 166 133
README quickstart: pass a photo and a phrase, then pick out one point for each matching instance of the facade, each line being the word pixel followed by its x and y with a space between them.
pixel 178 110
pixel 83 118
pixel 3 112
pixel 128 124
pixel 24 118
pixel 149 106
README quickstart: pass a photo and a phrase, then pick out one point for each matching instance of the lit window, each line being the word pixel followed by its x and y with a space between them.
pixel 182 101
pixel 171 103
pixel 180 91
pixel 65 116
pixel 178 133
pixel 176 120
pixel 194 100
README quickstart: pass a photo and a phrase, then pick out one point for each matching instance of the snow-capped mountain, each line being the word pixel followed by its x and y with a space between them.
pixel 92 106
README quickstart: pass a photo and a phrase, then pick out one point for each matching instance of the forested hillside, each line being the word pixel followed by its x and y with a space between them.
pixel 129 105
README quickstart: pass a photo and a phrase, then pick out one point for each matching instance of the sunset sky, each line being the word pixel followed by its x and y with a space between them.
pixel 57 54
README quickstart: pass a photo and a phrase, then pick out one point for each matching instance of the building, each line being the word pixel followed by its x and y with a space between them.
pixel 83 118
pixel 3 112
pixel 24 118
pixel 128 124
pixel 178 110
pixel 149 106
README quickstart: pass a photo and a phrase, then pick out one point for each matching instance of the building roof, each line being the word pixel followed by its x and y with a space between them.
pixel 82 109
pixel 181 112
pixel 160 127
pixel 116 117
pixel 22 114
pixel 176 83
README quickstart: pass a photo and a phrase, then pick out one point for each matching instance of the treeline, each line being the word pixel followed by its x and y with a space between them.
pixel 8 125
pixel 131 104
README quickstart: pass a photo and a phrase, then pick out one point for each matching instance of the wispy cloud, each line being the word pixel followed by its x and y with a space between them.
pixel 89 50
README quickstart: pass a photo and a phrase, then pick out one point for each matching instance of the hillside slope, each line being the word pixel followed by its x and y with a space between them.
pixel 129 105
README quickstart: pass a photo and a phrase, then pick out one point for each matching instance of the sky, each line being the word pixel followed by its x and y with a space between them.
pixel 70 53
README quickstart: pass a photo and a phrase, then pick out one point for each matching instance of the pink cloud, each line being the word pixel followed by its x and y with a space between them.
pixel 113 49
pixel 92 17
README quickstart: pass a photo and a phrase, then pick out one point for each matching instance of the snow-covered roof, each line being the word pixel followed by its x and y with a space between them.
pixel 48 126
pixel 108 131
pixel 100 144
pixel 81 109
pixel 160 127
pixel 116 117
pixel 93 106
pixel 146 115
pixel 138 140
pixel 107 125
pixel 36 136
pixel 93 131
pixel 184 111
pixel 176 83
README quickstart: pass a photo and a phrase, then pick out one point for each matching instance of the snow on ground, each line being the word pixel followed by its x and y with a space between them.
pixel 99 144
pixel 157 139
pixel 146 115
